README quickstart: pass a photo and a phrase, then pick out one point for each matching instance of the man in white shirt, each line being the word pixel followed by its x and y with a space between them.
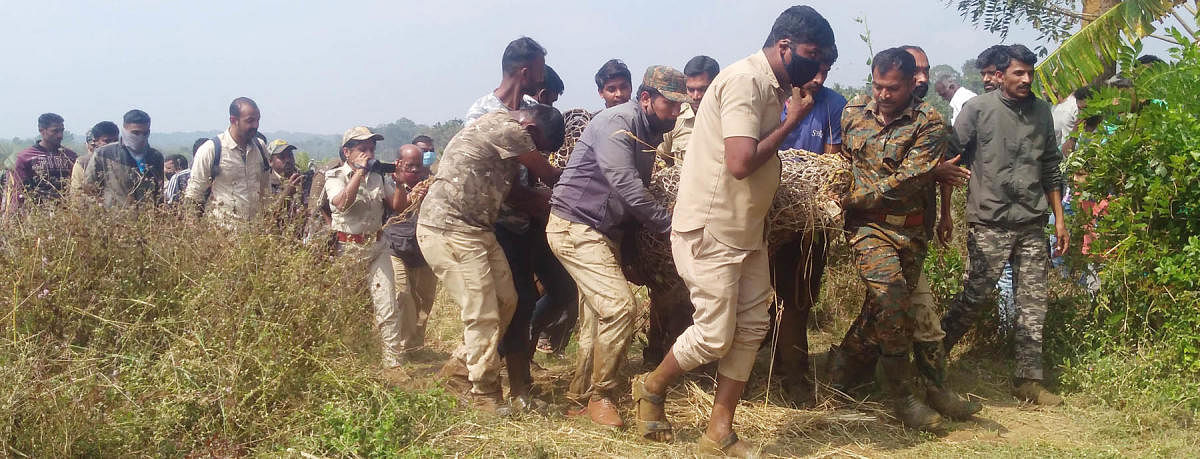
pixel 1066 113
pixel 951 89
pixel 236 188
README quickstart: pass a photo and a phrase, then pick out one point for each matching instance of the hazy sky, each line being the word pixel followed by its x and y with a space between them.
pixel 325 66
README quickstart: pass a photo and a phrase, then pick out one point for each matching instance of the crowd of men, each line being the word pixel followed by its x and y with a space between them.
pixel 530 252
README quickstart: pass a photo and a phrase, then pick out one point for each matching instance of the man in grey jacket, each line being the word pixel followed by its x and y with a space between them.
pixel 127 172
pixel 1009 143
pixel 602 188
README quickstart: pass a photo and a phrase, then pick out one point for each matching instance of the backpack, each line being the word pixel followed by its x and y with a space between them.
pixel 215 169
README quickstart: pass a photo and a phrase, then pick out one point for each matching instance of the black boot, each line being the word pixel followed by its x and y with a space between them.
pixel 901 389
pixel 847 372
pixel 931 362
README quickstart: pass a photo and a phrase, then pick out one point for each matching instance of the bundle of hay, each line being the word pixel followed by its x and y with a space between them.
pixel 810 189
pixel 577 119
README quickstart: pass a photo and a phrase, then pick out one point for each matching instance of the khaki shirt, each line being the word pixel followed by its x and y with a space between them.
pixel 365 214
pixel 745 100
pixel 675 143
pixel 240 189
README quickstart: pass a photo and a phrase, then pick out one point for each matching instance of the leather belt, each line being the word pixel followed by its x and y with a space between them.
pixel 903 221
pixel 348 237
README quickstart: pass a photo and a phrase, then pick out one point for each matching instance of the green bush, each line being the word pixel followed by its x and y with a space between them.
pixel 136 333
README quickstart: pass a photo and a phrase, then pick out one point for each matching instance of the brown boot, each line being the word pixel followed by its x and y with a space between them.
pixel 602 411
pixel 1031 390
pixel 899 381
pixel 931 362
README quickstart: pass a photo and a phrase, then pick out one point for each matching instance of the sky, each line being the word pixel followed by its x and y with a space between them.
pixel 324 66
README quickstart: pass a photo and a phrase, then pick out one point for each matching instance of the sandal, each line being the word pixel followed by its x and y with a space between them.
pixel 730 446
pixel 658 429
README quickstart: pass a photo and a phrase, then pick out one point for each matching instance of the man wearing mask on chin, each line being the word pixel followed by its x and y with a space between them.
pixel 601 193
pixel 726 185
pixel 127 172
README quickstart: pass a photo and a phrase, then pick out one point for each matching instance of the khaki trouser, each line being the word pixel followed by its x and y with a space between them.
pixel 606 305
pixel 415 291
pixel 927 326
pixel 475 273
pixel 376 258
pixel 731 290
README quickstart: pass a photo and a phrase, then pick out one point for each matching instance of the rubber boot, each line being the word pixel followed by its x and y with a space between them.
pixel 901 389
pixel 931 363
pixel 847 373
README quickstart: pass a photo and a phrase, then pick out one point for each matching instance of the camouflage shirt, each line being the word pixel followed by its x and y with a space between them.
pixel 475 173
pixel 892 163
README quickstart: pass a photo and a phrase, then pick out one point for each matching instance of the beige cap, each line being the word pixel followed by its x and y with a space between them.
pixel 279 146
pixel 360 133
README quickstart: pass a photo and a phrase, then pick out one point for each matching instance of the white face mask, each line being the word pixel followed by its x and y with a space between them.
pixel 135 142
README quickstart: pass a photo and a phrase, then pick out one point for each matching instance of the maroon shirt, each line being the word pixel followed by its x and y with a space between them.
pixel 40 174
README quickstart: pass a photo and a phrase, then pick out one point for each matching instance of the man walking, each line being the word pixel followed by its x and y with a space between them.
pixel 127 172
pixel 727 183
pixel 230 177
pixel 41 174
pixel 415 282
pixel 1008 136
pixel 603 191
pixel 103 133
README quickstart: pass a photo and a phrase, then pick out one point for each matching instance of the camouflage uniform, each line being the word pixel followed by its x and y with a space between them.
pixel 891 167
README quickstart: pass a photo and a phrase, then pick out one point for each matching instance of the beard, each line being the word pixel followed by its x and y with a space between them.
pixel 921 90
pixel 661 126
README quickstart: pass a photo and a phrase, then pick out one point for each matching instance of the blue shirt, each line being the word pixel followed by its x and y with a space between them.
pixel 822 126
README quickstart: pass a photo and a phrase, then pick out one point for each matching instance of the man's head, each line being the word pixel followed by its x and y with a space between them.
pixel 614 83
pixel 892 80
pixel 986 64
pixel 551 88
pixel 360 139
pixel 136 125
pixel 544 124
pixel 700 71
pixel 661 95
pixel 1015 75
pixel 424 142
pixel 283 157
pixel 524 60
pixel 173 164
pixel 50 127
pixel 410 163
pixel 921 79
pixel 1081 96
pixel 947 84
pixel 103 133
pixel 829 56
pixel 243 118
pixel 798 37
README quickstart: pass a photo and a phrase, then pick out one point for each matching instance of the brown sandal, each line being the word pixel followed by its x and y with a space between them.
pixel 650 429
pixel 730 446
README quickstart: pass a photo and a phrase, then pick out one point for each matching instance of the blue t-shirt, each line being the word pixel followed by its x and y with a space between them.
pixel 822 126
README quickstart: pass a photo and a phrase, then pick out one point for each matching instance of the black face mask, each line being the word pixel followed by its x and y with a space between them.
pixel 802 69
pixel 921 90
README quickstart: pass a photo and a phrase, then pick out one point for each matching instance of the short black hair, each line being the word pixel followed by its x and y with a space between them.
pixel 894 59
pixel 181 161
pixel 553 82
pixel 991 56
pixel 196 145
pixel 1150 59
pixel 913 47
pixel 235 107
pixel 1018 52
pixel 801 24
pixel 519 53
pixel 702 64
pixel 136 116
pixel 422 138
pixel 612 70
pixel 1082 93
pixel 551 124
pixel 48 119
pixel 105 128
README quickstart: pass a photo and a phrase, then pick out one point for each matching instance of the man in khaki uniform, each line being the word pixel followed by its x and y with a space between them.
pixel 699 72
pixel 601 194
pixel 238 187
pixel 455 232
pixel 729 178
pixel 360 194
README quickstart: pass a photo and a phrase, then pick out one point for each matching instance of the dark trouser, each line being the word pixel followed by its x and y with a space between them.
pixel 528 256
pixel 797 268
pixel 550 316
pixel 670 314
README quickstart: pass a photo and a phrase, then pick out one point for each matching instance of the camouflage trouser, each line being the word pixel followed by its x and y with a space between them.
pixel 988 247
pixel 889 262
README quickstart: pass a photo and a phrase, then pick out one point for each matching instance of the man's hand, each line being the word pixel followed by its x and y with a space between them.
pixel 357 159
pixel 945 231
pixel 950 172
pixel 799 105
pixel 1062 238
pixel 292 185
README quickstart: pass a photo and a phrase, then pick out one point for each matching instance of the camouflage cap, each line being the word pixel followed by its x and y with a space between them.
pixel 668 81
pixel 279 146
pixel 359 133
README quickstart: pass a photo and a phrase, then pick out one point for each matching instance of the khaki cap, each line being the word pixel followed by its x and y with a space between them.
pixel 359 133
pixel 669 82
pixel 279 147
